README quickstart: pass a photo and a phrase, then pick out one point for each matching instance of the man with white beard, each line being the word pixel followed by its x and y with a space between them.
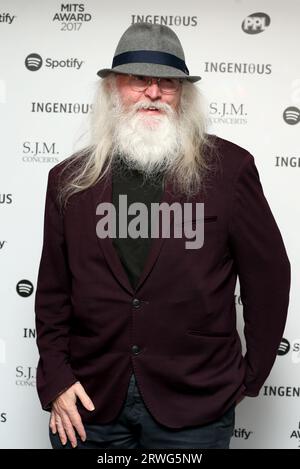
pixel 138 342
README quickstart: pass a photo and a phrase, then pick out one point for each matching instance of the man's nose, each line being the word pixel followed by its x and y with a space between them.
pixel 153 91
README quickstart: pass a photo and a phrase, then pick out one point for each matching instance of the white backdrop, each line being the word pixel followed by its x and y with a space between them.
pixel 248 56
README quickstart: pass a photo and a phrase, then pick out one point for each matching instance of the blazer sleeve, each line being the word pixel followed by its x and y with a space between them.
pixel 264 275
pixel 53 305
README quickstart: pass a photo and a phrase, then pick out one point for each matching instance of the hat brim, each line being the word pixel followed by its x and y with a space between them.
pixel 148 69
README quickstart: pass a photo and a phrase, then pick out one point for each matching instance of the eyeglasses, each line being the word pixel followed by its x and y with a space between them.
pixel 166 85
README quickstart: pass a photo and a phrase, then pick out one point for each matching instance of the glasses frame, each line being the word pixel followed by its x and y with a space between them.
pixel 150 82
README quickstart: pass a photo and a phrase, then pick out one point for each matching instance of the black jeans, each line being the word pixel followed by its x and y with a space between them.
pixel 136 428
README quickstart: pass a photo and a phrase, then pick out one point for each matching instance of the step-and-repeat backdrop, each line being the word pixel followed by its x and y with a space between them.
pixel 248 56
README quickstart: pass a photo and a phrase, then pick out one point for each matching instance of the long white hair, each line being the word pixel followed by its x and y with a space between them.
pixel 86 167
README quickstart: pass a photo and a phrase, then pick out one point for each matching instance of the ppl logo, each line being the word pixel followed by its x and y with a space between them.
pixel 256 23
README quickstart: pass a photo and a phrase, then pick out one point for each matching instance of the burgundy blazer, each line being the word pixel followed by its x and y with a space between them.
pixel 177 329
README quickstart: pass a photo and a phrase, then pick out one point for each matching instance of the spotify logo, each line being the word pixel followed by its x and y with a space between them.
pixel 24 288
pixel 291 115
pixel 33 62
pixel 284 347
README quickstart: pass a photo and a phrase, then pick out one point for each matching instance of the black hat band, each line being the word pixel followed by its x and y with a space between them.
pixel 150 56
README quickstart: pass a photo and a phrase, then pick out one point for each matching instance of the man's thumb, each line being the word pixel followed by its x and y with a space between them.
pixel 85 400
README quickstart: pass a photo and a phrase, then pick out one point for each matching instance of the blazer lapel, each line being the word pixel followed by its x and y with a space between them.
pixel 101 193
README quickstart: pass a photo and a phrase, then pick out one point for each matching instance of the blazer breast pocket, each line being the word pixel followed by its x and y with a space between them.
pixel 198 230
pixel 210 218
pixel 209 335
pixel 194 220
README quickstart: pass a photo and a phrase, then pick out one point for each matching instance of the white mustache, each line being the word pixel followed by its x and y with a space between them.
pixel 148 105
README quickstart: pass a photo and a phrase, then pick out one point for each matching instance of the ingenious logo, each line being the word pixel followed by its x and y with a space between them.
pixel 281 391
pixel 245 68
pixel 61 108
pixel 5 198
pixel 286 161
pixel 167 20
pixel 29 333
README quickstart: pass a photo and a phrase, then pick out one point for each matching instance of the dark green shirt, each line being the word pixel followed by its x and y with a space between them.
pixel 133 251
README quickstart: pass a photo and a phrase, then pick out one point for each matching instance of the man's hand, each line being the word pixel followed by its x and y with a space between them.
pixel 65 416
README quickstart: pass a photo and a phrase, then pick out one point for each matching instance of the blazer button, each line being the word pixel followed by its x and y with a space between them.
pixel 135 349
pixel 136 303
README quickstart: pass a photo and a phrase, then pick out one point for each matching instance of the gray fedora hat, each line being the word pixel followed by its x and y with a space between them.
pixel 150 50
